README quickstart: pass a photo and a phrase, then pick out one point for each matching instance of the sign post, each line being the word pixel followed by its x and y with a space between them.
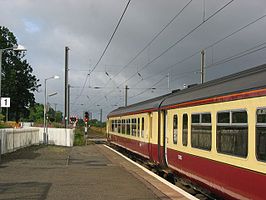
pixel 5 103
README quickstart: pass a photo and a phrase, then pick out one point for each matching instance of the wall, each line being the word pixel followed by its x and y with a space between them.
pixel 13 139
pixel 58 136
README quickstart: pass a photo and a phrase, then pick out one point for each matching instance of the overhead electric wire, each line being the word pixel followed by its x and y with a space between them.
pixel 150 42
pixel 154 38
pixel 239 55
pixel 147 88
pixel 225 60
pixel 105 49
pixel 238 30
pixel 111 36
pixel 178 41
pixel 210 46
pixel 228 59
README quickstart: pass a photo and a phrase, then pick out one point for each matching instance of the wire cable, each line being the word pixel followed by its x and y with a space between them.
pixel 228 59
pixel 178 41
pixel 141 51
pixel 105 49
pixel 154 38
pixel 147 89
pixel 210 46
pixel 110 40
pixel 225 60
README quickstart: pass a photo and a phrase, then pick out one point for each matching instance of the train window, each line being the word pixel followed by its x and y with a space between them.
pixel 185 130
pixel 119 126
pixel 123 126
pixel 142 127
pixel 175 127
pixel 138 130
pixel 261 135
pixel 206 118
pixel 232 133
pixel 239 117
pixel 128 126
pixel 261 115
pixel 113 125
pixel 133 127
pixel 195 118
pixel 201 131
pixel 223 117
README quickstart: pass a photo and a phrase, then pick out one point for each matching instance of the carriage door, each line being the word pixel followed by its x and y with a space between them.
pixel 150 136
pixel 165 138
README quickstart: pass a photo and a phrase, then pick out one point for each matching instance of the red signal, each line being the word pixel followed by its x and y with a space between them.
pixel 86 117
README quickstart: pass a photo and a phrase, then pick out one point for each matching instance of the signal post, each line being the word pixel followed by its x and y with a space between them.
pixel 86 120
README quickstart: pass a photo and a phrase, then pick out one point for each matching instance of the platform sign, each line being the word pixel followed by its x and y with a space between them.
pixel 5 102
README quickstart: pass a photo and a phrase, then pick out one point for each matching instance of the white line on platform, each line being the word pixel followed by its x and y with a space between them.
pixel 179 190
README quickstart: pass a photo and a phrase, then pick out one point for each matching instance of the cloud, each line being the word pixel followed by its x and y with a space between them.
pixel 46 27
pixel 30 26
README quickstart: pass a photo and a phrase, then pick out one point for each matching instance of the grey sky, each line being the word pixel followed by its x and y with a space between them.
pixel 46 27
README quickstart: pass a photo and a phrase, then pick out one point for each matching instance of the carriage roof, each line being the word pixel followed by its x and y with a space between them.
pixel 250 79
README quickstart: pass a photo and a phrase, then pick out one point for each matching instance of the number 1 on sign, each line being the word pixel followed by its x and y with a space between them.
pixel 5 102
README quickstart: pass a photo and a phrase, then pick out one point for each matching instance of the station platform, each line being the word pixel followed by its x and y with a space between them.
pixel 87 172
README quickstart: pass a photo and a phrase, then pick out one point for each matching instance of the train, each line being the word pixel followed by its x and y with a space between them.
pixel 213 134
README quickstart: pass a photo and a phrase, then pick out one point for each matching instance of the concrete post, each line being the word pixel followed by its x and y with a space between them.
pixel 202 66
pixel 66 86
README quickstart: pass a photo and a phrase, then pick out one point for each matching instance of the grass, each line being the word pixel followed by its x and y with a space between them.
pixel 79 137
pixel 101 130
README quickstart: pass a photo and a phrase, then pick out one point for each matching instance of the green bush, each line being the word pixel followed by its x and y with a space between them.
pixel 79 137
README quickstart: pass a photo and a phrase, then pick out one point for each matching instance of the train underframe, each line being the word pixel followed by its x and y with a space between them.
pixel 225 181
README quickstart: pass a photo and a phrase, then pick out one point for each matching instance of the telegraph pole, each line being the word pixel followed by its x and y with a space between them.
pixel 66 87
pixel 68 101
pixel 126 88
pixel 202 66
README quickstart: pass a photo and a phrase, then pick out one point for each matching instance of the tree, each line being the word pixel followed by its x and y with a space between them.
pixel 58 116
pixel 18 83
pixel 36 113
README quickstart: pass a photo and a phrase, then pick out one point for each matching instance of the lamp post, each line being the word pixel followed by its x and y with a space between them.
pixel 101 113
pixel 44 108
pixel 14 48
pixel 47 108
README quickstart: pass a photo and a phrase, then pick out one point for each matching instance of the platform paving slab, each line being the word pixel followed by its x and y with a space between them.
pixel 49 172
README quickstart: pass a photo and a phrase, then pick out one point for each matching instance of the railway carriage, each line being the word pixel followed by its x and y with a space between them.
pixel 213 133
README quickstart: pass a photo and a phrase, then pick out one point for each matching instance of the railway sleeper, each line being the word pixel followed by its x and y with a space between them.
pixel 194 189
